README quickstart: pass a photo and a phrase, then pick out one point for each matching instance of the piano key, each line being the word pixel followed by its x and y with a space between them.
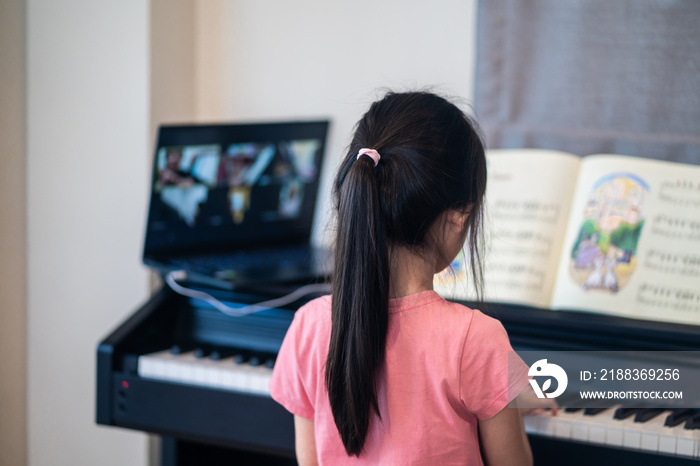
pixel 645 415
pixel 254 361
pixel 679 416
pixel 688 440
pixel 597 432
pixel 580 429
pixel 693 422
pixel 624 413
pixel 229 373
pixel 632 437
pixel 593 411
pixel 650 435
pixel 667 440
pixel 564 425
pixel 238 359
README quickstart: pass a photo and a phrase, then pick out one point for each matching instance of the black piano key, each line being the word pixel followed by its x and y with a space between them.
pixel 219 354
pixel 239 359
pixel 693 422
pixel 177 349
pixel 572 410
pixel 254 361
pixel 644 415
pixel 593 411
pixel 200 353
pixel 568 401
pixel 624 413
pixel 270 363
pixel 678 416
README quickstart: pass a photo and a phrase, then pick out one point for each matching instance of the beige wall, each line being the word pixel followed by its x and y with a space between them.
pixel 172 55
pixel 87 189
pixel 13 329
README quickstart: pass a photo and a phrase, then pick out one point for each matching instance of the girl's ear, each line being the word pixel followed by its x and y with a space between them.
pixel 458 218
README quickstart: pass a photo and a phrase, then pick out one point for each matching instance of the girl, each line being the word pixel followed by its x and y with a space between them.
pixel 386 372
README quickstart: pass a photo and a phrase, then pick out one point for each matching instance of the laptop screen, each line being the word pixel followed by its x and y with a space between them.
pixel 221 188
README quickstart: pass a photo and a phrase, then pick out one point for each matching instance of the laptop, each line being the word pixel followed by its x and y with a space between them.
pixel 233 204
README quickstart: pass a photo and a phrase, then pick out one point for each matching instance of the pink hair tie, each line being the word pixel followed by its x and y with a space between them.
pixel 371 153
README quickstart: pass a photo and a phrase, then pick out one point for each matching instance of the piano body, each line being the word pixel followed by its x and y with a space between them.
pixel 198 379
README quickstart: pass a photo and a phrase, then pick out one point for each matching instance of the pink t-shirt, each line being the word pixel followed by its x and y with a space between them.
pixel 446 367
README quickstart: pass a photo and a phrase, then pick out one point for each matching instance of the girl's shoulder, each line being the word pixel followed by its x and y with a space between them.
pixel 477 318
pixel 317 306
pixel 460 312
pixel 476 327
pixel 316 313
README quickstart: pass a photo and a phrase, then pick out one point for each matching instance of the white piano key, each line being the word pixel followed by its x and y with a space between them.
pixel 614 435
pixel 632 437
pixel 578 424
pixel 546 425
pixel 685 446
pixel 145 366
pixel 531 424
pixel 650 436
pixel 667 443
pixel 596 433
pixel 562 428
pixel 616 430
pixel 259 377
pixel 651 432
pixel 222 374
pixel 580 431
pixel 686 442
pixel 564 423
pixel 228 379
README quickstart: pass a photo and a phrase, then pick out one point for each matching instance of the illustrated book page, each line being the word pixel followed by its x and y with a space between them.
pixel 632 245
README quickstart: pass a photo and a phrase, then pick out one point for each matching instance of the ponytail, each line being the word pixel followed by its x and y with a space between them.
pixel 360 313
pixel 432 160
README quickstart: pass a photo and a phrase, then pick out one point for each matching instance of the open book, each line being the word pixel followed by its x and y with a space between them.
pixel 604 233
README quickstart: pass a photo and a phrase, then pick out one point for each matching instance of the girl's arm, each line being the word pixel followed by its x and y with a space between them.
pixel 305 441
pixel 504 441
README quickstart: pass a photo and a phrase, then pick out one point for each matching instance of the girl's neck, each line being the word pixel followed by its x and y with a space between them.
pixel 410 272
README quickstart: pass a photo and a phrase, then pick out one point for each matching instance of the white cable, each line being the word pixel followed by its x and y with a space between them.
pixel 172 277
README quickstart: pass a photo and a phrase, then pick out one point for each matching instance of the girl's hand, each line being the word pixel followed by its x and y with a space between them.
pixel 528 403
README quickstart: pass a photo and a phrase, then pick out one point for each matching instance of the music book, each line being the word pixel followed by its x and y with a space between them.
pixel 603 233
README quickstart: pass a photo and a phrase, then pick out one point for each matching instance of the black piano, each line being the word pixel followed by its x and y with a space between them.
pixel 198 379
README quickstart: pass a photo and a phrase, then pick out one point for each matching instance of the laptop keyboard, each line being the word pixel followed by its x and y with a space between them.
pixel 242 260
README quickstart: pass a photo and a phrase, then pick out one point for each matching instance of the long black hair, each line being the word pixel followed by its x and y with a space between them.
pixel 432 160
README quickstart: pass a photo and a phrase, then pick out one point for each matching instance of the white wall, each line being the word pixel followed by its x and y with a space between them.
pixel 310 58
pixel 87 151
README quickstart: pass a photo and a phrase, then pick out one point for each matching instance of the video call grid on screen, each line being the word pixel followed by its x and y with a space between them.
pixel 219 187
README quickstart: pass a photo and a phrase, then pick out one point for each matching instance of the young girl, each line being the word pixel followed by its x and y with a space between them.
pixel 385 371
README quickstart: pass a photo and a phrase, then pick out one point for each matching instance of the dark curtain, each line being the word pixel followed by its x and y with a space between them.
pixel 591 76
